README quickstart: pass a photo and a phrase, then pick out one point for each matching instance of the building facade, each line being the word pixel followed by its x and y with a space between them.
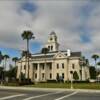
pixel 53 65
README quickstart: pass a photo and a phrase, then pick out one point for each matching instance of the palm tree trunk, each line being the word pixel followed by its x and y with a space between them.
pixel 28 56
pixel 45 69
pixel 96 68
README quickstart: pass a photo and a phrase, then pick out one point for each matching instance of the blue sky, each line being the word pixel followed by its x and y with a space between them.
pixel 76 23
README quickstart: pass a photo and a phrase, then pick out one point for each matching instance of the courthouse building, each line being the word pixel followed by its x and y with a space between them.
pixel 54 64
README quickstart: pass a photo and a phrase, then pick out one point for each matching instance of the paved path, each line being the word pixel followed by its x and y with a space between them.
pixel 19 94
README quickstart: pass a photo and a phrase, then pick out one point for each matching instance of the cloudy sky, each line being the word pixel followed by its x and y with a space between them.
pixel 76 23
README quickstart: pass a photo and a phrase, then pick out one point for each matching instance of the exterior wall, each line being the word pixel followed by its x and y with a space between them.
pixel 60 70
pixel 60 59
pixel 76 68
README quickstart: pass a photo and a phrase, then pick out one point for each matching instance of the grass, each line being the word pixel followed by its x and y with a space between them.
pixel 67 85
pixel 95 86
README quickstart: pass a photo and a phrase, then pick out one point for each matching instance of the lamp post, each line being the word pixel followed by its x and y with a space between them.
pixel 71 72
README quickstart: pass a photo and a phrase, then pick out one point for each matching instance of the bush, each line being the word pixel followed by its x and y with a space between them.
pixel 80 81
pixel 51 81
pixel 25 82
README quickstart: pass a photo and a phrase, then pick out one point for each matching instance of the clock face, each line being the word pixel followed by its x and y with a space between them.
pixel 50 39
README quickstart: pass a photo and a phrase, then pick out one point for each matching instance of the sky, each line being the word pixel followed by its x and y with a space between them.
pixel 76 23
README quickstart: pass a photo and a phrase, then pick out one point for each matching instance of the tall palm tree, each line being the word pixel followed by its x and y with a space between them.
pixel 95 57
pixel 15 59
pixel 45 51
pixel 27 35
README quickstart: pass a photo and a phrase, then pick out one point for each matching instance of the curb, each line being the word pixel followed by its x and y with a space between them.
pixel 48 89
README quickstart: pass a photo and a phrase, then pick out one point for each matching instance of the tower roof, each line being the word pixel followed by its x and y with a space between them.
pixel 53 33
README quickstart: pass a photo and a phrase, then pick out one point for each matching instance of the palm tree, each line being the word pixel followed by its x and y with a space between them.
pixel 45 51
pixel 15 59
pixel 95 57
pixel 27 35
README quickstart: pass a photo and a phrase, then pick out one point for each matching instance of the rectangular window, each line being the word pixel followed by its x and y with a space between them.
pixel 50 75
pixel 73 66
pixel 35 75
pixel 24 67
pixel 50 67
pixel 43 67
pixel 51 47
pixel 62 65
pixel 35 66
pixel 42 75
pixel 57 66
pixel 63 75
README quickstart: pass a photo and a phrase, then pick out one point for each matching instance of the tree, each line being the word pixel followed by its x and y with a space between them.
pixel 1 73
pixel 95 57
pixel 98 65
pixel 0 57
pixel 11 73
pixel 15 59
pixel 45 51
pixel 75 75
pixel 27 35
pixel 92 71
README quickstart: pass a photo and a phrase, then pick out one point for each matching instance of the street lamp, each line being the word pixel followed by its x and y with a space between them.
pixel 71 72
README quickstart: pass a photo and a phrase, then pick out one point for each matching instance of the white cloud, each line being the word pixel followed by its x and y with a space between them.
pixel 64 17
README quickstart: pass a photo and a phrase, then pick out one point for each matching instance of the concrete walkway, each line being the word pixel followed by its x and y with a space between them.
pixel 47 89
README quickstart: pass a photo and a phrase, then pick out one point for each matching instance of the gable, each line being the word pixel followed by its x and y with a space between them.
pixel 60 55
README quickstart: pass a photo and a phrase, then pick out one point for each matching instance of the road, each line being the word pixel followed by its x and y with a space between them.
pixel 8 94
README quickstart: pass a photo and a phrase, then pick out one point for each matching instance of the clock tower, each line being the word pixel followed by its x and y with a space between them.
pixel 52 43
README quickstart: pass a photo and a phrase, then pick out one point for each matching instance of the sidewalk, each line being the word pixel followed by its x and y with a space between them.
pixel 48 89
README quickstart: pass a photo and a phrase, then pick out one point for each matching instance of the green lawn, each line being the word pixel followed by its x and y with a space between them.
pixel 67 85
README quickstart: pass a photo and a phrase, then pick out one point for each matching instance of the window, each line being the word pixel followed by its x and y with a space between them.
pixel 42 75
pixel 50 75
pixel 24 67
pixel 43 67
pixel 63 75
pixel 57 66
pixel 73 66
pixel 35 75
pixel 57 76
pixel 35 66
pixel 50 67
pixel 51 47
pixel 63 65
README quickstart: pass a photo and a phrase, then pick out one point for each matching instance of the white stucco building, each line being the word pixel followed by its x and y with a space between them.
pixel 55 63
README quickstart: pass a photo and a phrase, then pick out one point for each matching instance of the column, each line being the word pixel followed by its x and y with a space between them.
pixel 38 72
